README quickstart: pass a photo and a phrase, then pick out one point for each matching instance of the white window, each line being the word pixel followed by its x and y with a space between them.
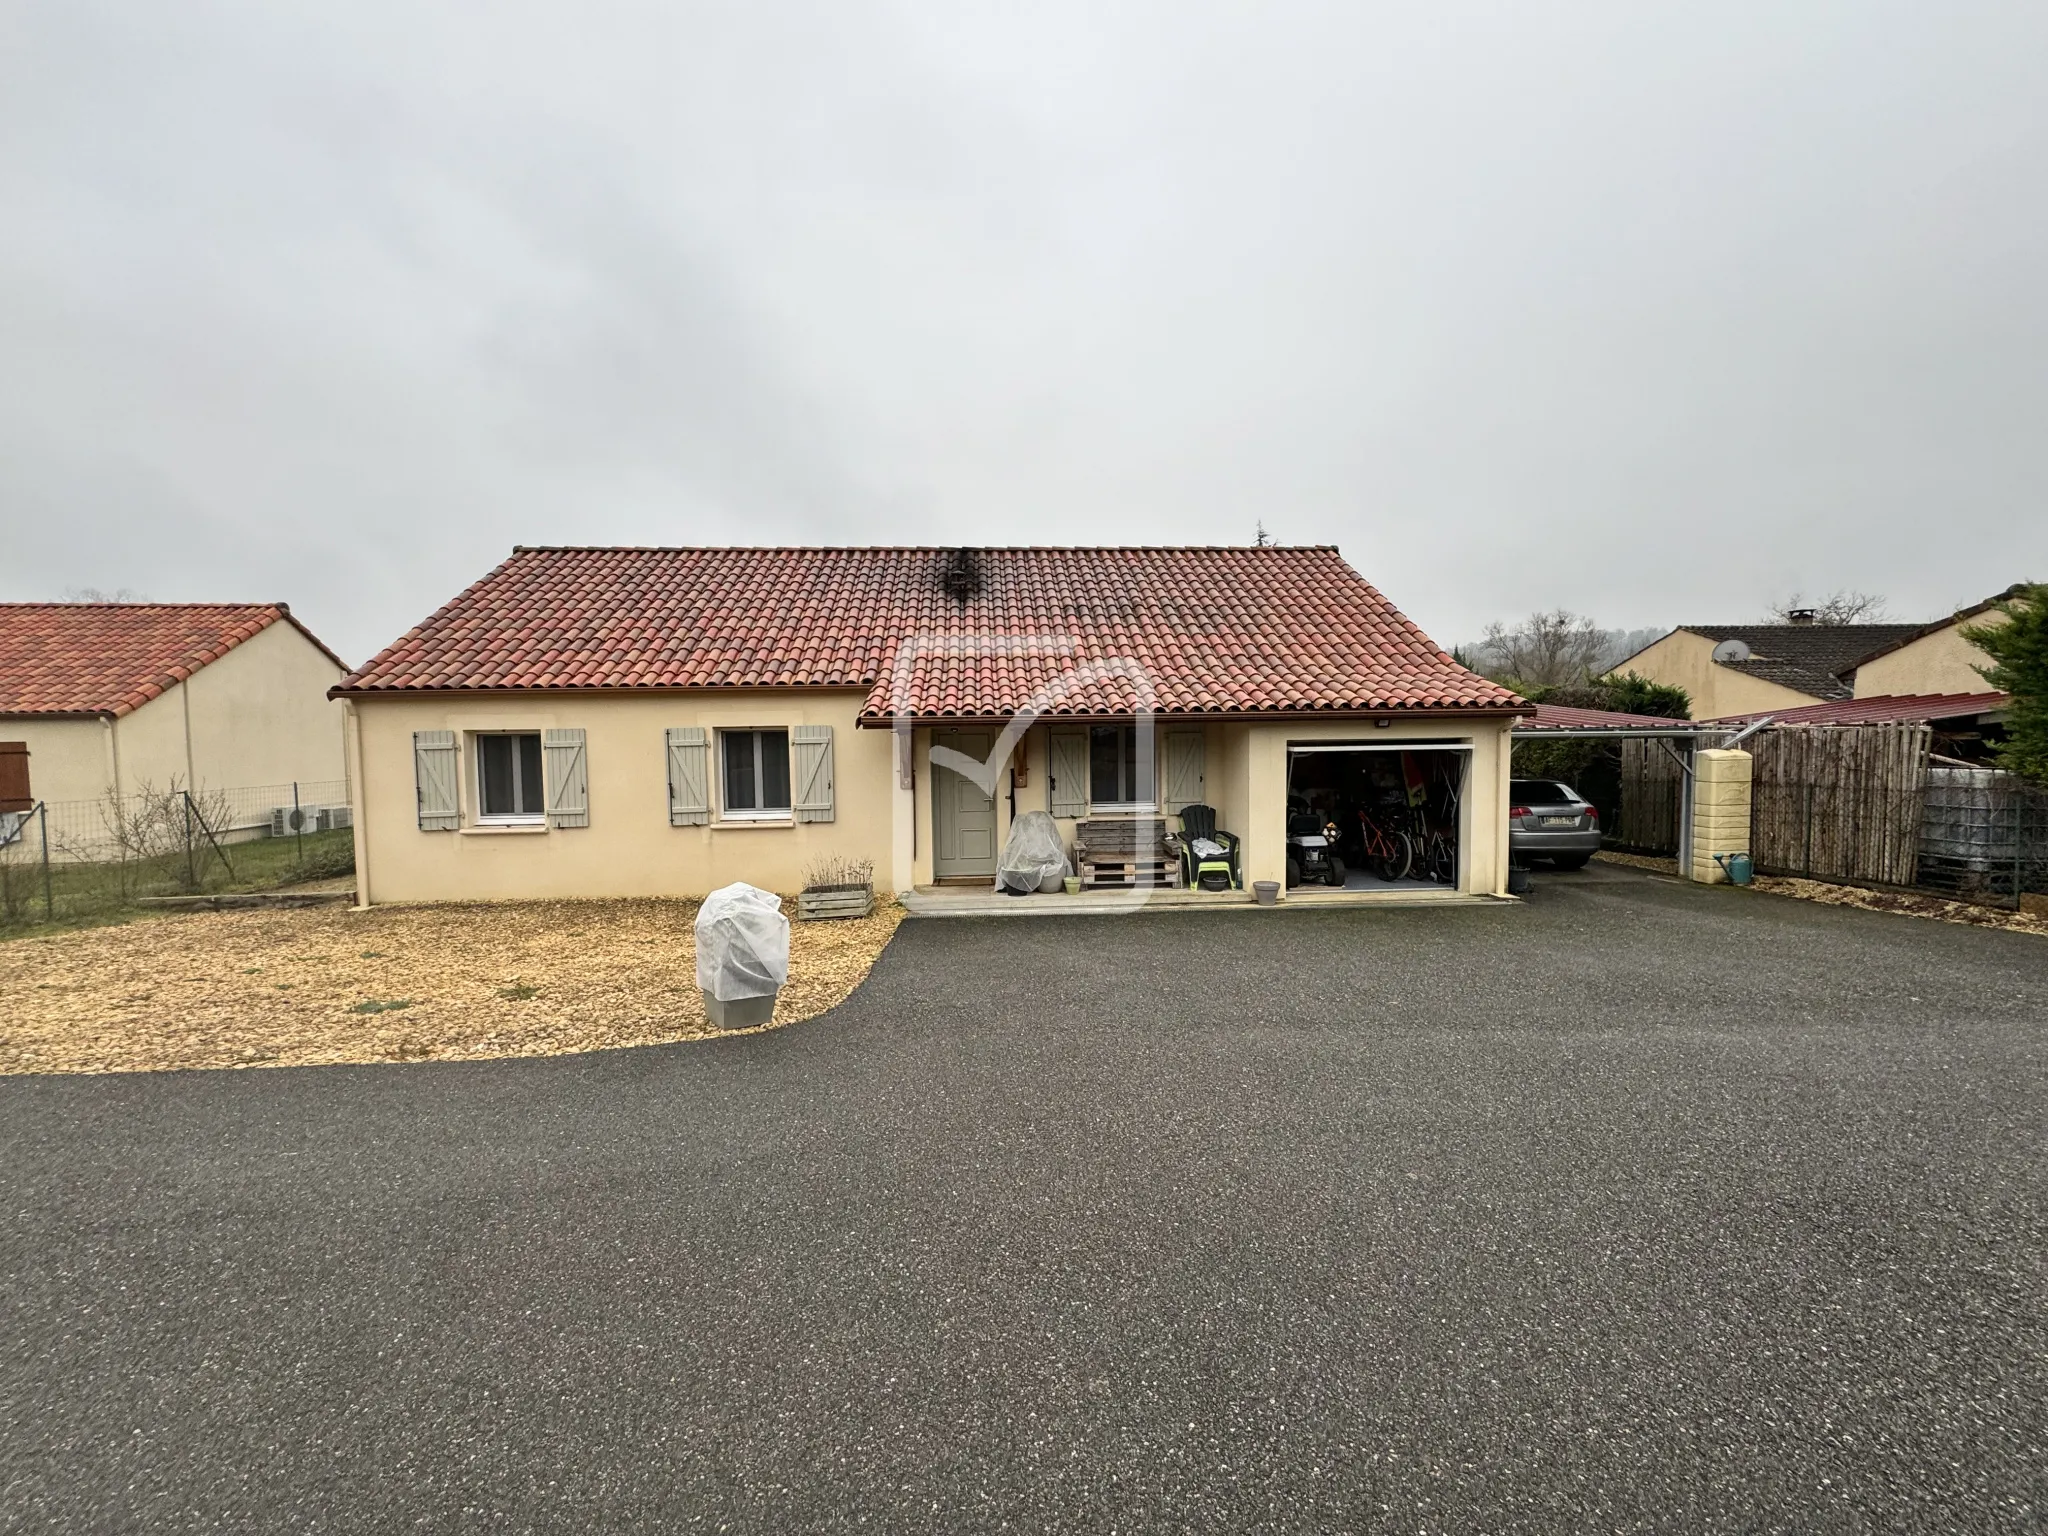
pixel 510 782
pixel 754 773
pixel 1119 774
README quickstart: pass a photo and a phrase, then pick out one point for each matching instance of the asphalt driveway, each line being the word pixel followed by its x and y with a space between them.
pixel 1643 1207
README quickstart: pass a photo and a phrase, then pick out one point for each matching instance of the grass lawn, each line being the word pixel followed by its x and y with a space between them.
pixel 86 895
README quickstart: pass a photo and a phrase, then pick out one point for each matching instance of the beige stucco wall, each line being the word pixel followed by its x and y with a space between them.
pixel 1720 810
pixel 257 716
pixel 67 759
pixel 261 715
pixel 1941 662
pixel 629 848
pixel 1686 660
pixel 1484 835
pixel 1245 778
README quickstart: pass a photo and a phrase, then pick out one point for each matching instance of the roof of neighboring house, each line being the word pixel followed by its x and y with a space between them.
pixel 110 658
pixel 1881 710
pixel 1960 616
pixel 1807 658
pixel 1074 632
pixel 1565 717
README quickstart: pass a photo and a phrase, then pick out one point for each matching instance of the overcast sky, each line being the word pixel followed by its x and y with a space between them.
pixel 1656 312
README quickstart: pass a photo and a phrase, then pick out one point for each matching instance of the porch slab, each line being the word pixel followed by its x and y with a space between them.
pixel 951 901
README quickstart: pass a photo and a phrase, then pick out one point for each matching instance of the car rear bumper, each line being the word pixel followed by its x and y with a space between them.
pixel 1567 842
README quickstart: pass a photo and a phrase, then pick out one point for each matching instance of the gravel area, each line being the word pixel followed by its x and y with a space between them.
pixel 1899 903
pixel 330 984
pixel 1637 1207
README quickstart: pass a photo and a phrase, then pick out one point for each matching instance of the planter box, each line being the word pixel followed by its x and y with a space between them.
pixel 835 901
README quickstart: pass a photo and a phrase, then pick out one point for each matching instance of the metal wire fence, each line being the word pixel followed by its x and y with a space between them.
pixel 73 859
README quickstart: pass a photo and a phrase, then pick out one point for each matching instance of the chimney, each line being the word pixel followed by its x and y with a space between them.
pixel 1801 615
pixel 960 575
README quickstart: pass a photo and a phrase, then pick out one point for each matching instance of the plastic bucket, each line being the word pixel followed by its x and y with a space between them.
pixel 1266 892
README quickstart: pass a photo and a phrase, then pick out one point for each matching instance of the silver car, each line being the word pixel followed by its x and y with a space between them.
pixel 1549 820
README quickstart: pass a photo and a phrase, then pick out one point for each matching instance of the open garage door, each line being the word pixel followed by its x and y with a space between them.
pixel 1363 816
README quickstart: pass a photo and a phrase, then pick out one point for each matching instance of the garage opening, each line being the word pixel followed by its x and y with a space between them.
pixel 1366 817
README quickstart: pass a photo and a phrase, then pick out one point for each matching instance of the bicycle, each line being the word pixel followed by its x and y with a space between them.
pixel 1389 851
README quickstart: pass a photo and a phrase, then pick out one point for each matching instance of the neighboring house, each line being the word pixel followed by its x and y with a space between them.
pixel 1933 659
pixel 1761 666
pixel 661 722
pixel 113 698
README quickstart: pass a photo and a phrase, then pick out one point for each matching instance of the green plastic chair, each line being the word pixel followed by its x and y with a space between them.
pixel 1200 821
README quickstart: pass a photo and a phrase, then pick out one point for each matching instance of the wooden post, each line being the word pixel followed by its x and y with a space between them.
pixel 49 901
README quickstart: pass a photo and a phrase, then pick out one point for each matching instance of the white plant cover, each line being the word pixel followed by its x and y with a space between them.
pixel 1033 852
pixel 742 944
pixel 1209 848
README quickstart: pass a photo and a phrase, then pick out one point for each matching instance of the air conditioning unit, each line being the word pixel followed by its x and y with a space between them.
pixel 337 818
pixel 288 821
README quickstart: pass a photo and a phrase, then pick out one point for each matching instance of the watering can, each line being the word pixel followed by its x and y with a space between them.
pixel 1736 866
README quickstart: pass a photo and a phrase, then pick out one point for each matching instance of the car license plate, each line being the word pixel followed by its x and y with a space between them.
pixel 1558 821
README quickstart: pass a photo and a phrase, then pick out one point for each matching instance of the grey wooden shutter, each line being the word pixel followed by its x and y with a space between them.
pixel 689 776
pixel 1185 762
pixel 568 776
pixel 434 761
pixel 810 754
pixel 1069 793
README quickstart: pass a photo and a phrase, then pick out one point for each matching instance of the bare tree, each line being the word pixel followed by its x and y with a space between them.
pixel 100 595
pixel 1838 607
pixel 1545 650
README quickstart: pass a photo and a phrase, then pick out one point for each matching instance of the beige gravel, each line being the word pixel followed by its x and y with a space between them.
pixel 1902 903
pixel 329 984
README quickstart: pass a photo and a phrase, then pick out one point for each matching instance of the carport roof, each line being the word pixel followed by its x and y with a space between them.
pixel 1564 720
pixel 1881 709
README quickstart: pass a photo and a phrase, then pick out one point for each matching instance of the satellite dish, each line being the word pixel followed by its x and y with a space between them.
pixel 1729 651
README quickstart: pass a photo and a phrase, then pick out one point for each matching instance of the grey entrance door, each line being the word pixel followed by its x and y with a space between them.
pixel 963 818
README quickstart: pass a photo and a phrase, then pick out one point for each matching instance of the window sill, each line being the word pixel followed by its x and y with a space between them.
pixel 753 823
pixel 502 828
pixel 1123 810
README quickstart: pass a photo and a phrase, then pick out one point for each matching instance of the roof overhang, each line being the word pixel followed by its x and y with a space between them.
pixel 1189 716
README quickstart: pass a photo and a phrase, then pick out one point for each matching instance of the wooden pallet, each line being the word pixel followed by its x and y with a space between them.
pixel 1130 874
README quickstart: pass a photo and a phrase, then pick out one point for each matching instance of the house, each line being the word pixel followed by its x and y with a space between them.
pixel 660 722
pixel 1732 669
pixel 1934 659
pixel 111 699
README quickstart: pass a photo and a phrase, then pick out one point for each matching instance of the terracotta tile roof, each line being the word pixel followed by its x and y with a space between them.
pixel 1236 629
pixel 1883 709
pixel 110 658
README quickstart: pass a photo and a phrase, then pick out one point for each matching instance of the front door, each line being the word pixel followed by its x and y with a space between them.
pixel 963 818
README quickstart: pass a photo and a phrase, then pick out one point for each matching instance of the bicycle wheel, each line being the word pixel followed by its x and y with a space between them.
pixel 1395 857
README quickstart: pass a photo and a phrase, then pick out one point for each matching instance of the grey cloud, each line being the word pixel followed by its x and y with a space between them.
pixel 1650 311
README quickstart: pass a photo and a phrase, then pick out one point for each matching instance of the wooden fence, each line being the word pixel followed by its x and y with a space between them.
pixel 1861 804
pixel 1652 794
pixel 1840 802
